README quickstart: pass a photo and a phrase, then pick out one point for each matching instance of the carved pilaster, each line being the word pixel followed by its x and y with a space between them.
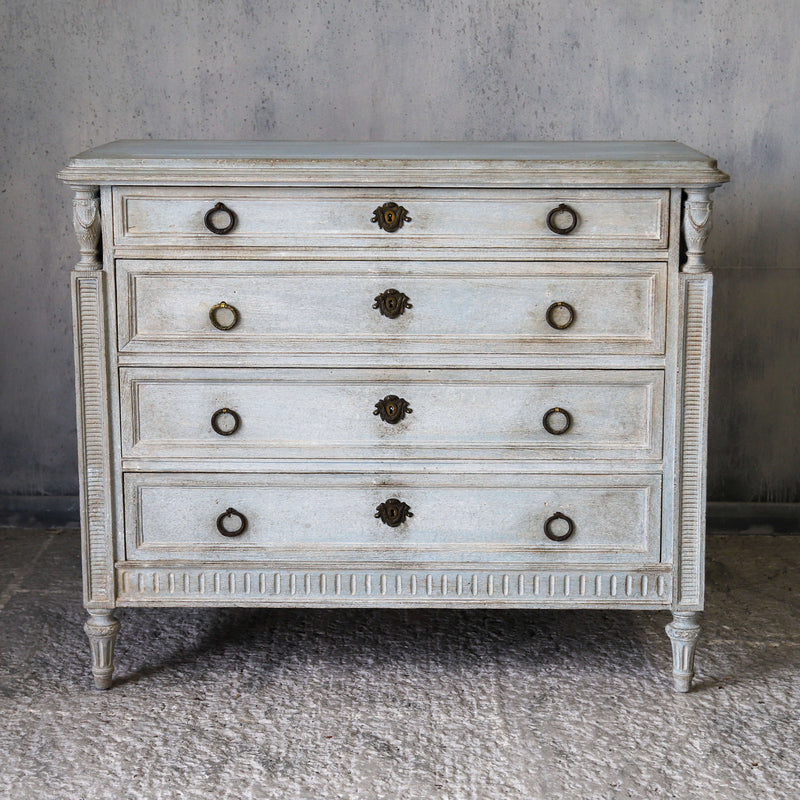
pixel 86 219
pixel 696 227
pixel 693 415
pixel 102 629
pixel 91 382
pixel 683 632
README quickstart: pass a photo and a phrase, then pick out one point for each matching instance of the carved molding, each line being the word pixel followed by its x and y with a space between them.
pixel 696 296
pixel 696 227
pixel 389 587
pixel 102 629
pixel 684 635
pixel 683 632
pixel 93 452
pixel 86 220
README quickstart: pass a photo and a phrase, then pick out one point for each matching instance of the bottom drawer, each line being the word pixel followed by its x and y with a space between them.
pixel 426 519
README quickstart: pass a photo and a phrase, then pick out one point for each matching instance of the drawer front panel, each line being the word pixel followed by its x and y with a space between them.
pixel 335 307
pixel 615 519
pixel 339 413
pixel 496 218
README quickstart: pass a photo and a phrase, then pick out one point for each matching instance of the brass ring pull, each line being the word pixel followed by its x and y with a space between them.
pixel 548 531
pixel 218 416
pixel 231 532
pixel 553 414
pixel 393 512
pixel 558 211
pixel 220 208
pixel 392 303
pixel 555 311
pixel 392 409
pixel 228 310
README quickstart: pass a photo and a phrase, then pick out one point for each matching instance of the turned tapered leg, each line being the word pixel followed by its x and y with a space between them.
pixel 102 628
pixel 683 632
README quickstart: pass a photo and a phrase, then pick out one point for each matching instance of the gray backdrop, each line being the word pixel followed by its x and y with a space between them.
pixel 720 76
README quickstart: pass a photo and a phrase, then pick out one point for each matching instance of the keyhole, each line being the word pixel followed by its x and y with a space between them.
pixel 389 217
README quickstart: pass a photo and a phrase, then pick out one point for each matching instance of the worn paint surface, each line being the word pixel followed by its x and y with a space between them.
pixel 80 73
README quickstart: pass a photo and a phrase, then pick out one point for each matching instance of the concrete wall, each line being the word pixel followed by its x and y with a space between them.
pixel 721 76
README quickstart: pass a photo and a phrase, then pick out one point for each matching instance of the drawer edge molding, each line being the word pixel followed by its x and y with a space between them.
pixel 620 311
pixel 486 217
pixel 237 585
pixel 172 413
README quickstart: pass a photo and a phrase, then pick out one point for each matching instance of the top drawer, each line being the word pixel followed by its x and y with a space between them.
pixel 443 218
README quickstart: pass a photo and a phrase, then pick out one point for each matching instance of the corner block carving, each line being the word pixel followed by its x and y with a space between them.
pixel 696 227
pixel 86 220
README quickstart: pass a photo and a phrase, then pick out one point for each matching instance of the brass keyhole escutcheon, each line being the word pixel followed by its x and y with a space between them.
pixel 392 303
pixel 393 512
pixel 392 409
pixel 390 217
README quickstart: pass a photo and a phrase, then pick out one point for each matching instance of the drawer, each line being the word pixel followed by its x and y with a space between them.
pixel 316 217
pixel 220 414
pixel 312 307
pixel 335 518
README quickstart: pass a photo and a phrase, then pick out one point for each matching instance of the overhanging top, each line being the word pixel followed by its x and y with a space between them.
pixel 394 163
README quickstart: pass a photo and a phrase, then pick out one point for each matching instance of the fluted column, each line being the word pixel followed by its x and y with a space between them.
pixel 102 629
pixel 683 632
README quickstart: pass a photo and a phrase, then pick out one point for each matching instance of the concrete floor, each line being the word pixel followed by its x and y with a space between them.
pixel 431 705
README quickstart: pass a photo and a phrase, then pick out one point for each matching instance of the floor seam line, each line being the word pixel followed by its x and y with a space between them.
pixel 16 582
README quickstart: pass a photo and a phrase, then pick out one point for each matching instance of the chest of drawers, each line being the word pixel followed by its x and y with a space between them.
pixel 376 374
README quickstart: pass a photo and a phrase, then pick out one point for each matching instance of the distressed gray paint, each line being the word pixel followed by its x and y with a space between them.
pixel 710 74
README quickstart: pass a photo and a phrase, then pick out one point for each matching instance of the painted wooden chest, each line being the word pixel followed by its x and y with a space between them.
pixel 392 374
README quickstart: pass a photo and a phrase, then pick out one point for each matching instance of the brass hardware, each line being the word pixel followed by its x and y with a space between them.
pixel 214 316
pixel 555 310
pixel 555 412
pixel 393 512
pixel 390 217
pixel 555 537
pixel 225 412
pixel 392 303
pixel 231 512
pixel 220 208
pixel 392 409
pixel 563 208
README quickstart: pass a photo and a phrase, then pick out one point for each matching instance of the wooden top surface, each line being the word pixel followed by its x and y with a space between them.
pixel 395 163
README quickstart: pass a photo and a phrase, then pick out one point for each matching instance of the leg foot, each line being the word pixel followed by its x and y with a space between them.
pixel 683 632
pixel 102 628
